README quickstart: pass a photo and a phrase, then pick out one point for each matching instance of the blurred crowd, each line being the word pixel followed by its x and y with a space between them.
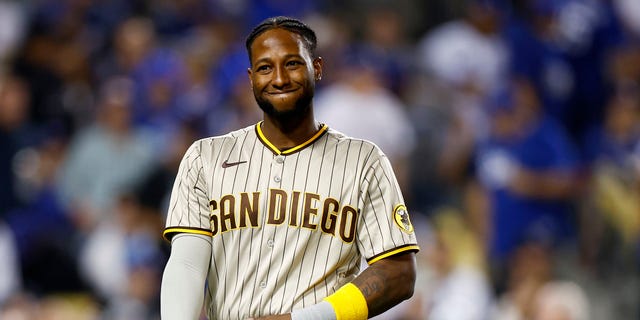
pixel 513 127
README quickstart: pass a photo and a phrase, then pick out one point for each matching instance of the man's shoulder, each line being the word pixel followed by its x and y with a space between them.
pixel 341 138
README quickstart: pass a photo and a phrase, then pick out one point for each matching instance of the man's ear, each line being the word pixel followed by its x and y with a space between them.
pixel 317 68
pixel 249 75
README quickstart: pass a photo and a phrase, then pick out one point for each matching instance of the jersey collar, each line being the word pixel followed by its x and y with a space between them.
pixel 274 149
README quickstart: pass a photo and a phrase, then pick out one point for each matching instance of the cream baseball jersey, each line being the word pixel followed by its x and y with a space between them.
pixel 288 227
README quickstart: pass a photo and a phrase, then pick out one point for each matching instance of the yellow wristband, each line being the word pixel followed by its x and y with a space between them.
pixel 349 303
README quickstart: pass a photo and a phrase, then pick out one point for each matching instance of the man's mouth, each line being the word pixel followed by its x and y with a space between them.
pixel 281 93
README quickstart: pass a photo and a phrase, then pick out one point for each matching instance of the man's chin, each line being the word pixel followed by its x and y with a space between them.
pixel 282 112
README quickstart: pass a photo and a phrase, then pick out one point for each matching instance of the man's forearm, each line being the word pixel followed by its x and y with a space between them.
pixel 383 285
pixel 182 290
pixel 387 282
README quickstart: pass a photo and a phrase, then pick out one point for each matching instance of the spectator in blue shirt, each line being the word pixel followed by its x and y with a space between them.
pixel 527 166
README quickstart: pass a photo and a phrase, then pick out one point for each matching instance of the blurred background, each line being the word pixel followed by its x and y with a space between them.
pixel 513 127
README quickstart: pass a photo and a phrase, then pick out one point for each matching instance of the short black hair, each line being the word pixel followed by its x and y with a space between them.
pixel 287 23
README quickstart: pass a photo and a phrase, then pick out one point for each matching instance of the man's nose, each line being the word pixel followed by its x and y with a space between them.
pixel 280 77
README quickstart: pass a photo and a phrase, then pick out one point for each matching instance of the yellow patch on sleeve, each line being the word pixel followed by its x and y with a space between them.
pixel 401 217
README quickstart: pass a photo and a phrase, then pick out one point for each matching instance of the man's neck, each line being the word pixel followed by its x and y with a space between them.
pixel 288 133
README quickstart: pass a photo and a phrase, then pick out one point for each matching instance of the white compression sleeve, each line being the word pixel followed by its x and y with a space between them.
pixel 182 290
pixel 320 311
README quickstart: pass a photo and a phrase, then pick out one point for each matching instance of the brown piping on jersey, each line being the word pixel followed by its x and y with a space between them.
pixel 394 251
pixel 169 232
pixel 323 129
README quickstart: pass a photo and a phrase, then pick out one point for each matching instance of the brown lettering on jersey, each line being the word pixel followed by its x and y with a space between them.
pixel 249 209
pixel 329 216
pixel 310 209
pixel 278 198
pixel 348 221
pixel 213 219
pixel 224 216
pixel 293 219
pixel 227 213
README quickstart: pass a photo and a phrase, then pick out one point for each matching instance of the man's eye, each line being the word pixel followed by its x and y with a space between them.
pixel 263 68
pixel 294 63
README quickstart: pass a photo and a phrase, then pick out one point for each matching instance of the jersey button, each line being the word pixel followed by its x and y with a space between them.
pixel 263 284
pixel 270 243
pixel 277 179
pixel 280 159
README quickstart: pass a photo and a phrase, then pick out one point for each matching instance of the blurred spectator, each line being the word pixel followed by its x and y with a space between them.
pixel 467 53
pixel 45 236
pixel 133 40
pixel 561 300
pixel 590 32
pixel 231 84
pixel 71 64
pixel 153 191
pixel 615 155
pixel 385 34
pixel 610 223
pixel 335 36
pixel 159 81
pixel 464 59
pixel 623 66
pixel 106 159
pixel 34 62
pixel 530 267
pixel 157 73
pixel 101 18
pixel 201 52
pixel 174 18
pixel 534 291
pixel 532 35
pixel 460 287
pixel 360 105
pixel 433 120
pixel 528 168
pixel 122 259
pixel 563 47
pixel 15 133
pixel 39 226
pixel 237 109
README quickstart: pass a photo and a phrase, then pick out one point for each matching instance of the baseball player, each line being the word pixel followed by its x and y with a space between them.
pixel 272 221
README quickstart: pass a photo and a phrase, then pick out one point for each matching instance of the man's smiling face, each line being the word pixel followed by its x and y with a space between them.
pixel 282 73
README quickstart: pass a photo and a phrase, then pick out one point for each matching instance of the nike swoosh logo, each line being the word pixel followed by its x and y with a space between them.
pixel 227 164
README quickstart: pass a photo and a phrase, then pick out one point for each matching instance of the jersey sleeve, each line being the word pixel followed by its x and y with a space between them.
pixel 385 228
pixel 189 203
